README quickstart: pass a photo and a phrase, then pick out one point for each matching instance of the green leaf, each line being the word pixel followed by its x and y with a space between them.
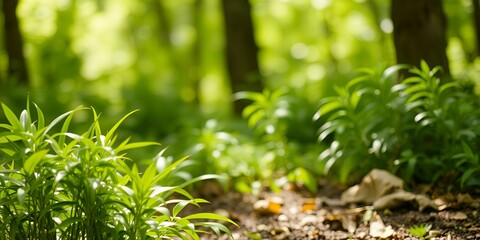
pixel 25 120
pixel 32 161
pixel 254 96
pixel 40 117
pixel 210 216
pixel 135 145
pixel 12 119
pixel 329 107
pixel 21 194
pixel 60 118
pixel 179 207
pixel 304 177
pixel 467 175
pixel 110 133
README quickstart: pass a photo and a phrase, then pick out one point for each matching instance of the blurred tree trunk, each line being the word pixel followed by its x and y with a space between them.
pixel 419 32
pixel 196 64
pixel 241 49
pixel 17 67
pixel 476 20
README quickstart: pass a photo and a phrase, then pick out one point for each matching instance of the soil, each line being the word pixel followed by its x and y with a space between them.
pixel 295 214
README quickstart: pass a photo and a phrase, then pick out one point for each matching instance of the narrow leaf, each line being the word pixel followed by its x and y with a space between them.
pixel 32 161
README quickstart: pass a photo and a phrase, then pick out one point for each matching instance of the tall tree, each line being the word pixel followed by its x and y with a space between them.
pixel 419 32
pixel 241 49
pixel 17 67
pixel 476 19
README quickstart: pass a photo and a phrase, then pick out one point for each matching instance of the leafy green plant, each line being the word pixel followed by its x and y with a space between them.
pixel 271 115
pixel 64 185
pixel 418 128
pixel 358 122
pixel 420 230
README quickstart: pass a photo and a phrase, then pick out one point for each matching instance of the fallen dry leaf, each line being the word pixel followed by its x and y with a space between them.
pixel 464 199
pixel 393 200
pixel 333 202
pixel 378 228
pixel 349 223
pixel 374 185
pixel 384 191
pixel 458 216
pixel 268 206
pixel 309 205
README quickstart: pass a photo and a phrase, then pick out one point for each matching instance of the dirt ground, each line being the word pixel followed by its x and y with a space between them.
pixel 295 214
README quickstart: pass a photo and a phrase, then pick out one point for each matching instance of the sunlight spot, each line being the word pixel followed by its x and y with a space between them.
pixel 339 49
pixel 315 72
pixel 211 124
pixel 359 26
pixel 63 4
pixel 216 154
pixel 183 35
pixel 281 112
pixel 299 50
pixel 321 4
pixel 386 25
pixel 270 129
pixel 281 11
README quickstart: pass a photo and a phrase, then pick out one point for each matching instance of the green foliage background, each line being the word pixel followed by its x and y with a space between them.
pixel 166 58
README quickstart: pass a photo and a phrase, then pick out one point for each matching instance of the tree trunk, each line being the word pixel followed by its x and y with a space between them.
pixel 241 49
pixel 476 20
pixel 419 32
pixel 17 67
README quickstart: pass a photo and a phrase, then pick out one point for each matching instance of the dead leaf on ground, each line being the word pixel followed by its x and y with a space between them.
pixel 309 205
pixel 269 206
pixel 465 199
pixel 393 200
pixel 374 185
pixel 333 202
pixel 458 216
pixel 349 222
pixel 384 190
pixel 378 228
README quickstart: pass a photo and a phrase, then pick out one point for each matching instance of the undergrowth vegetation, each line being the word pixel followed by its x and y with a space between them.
pixel 57 184
pixel 60 184
pixel 421 128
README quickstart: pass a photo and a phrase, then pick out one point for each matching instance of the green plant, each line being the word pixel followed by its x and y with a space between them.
pixel 414 128
pixel 420 230
pixel 64 185
pixel 358 123
pixel 272 115
pixel 445 126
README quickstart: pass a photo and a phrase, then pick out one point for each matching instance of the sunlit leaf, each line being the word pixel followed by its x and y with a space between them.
pixel 12 119
pixel 31 162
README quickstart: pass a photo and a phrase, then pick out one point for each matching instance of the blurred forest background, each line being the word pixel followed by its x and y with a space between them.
pixel 180 62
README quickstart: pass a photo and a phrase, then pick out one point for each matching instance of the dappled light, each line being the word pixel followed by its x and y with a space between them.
pixel 239 119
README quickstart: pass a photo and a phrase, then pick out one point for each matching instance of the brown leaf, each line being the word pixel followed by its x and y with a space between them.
pixel 349 223
pixel 458 216
pixel 309 205
pixel 378 228
pixel 465 199
pixel 374 185
pixel 268 206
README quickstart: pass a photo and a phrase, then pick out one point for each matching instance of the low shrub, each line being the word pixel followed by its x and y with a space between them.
pixel 421 128
pixel 56 184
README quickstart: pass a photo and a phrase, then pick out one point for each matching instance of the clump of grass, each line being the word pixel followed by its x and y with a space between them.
pixel 420 230
pixel 57 184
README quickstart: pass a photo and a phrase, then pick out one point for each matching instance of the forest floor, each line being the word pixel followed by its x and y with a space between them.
pixel 296 214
